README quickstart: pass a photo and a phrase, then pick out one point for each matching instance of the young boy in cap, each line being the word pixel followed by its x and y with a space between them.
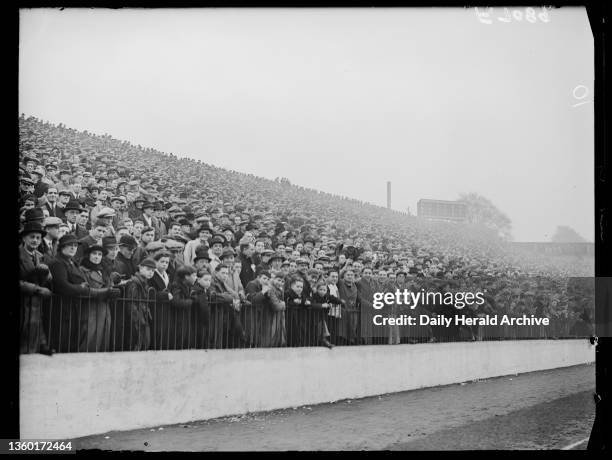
pixel 124 262
pixel 137 295
pixel 183 304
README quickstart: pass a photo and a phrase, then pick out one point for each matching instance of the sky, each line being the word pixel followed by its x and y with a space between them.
pixel 340 100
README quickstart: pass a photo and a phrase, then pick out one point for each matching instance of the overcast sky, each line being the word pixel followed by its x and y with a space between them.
pixel 340 100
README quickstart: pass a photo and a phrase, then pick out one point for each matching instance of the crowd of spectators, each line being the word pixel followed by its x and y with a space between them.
pixel 105 219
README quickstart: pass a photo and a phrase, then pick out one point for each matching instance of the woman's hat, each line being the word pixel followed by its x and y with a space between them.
pixel 67 239
pixel 95 247
pixel 109 241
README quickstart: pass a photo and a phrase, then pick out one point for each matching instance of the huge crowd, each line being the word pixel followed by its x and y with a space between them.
pixel 112 222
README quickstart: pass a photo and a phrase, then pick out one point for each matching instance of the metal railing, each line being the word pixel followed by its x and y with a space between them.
pixel 84 324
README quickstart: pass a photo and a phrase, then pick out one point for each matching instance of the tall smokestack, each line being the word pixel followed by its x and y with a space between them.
pixel 388 194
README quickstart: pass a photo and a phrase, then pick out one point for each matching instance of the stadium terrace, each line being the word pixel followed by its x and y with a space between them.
pixel 126 248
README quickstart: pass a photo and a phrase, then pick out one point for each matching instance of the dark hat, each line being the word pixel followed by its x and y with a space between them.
pixel 226 229
pixel 201 252
pixel 227 252
pixel 183 271
pixel 69 238
pixel 34 214
pixel 108 241
pixel 262 271
pixel 148 262
pixel 148 204
pixel 140 199
pixel 74 205
pixel 32 227
pixel 29 158
pixel 217 239
pixel 128 240
pixel 26 180
pixel 95 247
pixel 64 192
pixel 277 255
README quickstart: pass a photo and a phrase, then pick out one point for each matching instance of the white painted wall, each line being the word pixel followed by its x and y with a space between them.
pixel 72 395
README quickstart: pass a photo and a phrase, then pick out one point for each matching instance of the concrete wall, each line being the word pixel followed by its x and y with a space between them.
pixel 72 395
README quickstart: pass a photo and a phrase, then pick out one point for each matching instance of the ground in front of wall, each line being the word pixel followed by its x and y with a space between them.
pixel 540 410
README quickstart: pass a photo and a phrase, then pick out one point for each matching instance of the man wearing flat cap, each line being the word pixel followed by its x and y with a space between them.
pixel 216 249
pixel 233 283
pixel 34 282
pixel 48 245
pixel 148 210
pixel 117 205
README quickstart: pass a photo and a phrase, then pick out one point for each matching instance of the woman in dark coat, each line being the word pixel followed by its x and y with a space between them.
pixel 70 283
pixel 94 334
pixel 320 303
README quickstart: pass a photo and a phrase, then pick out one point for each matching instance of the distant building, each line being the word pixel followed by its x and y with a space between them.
pixel 441 210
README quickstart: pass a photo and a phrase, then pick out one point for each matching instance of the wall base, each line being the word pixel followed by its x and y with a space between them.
pixel 73 395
